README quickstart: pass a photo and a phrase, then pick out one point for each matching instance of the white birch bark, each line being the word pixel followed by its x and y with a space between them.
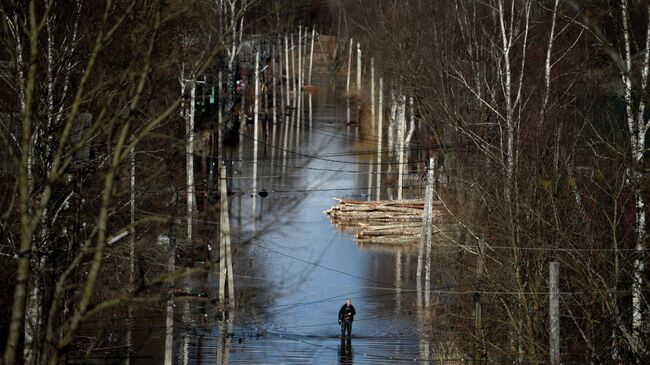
pixel 637 128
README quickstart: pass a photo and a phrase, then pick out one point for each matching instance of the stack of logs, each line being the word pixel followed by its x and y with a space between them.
pixel 383 222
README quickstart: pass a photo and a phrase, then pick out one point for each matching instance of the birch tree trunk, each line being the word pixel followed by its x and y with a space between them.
pixel 637 128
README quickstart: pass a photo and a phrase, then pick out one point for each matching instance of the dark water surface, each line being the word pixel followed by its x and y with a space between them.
pixel 303 268
pixel 294 269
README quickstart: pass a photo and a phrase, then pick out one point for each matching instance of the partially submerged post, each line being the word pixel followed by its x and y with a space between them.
pixel 299 85
pixel 220 128
pixel 282 99
pixel 294 80
pixel 380 132
pixel 428 232
pixel 401 120
pixel 287 71
pixel 347 87
pixel 256 123
pixel 225 252
pixel 358 66
pixel 274 69
pixel 372 93
pixel 311 62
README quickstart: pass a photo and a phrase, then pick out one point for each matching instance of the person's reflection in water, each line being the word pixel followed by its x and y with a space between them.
pixel 345 351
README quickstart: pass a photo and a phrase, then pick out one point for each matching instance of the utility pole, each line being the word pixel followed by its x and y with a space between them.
pixel 225 252
pixel 358 66
pixel 256 123
pixel 311 62
pixel 347 87
pixel 380 131
pixel 372 92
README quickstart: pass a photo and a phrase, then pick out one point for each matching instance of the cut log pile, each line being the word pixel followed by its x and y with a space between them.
pixel 383 222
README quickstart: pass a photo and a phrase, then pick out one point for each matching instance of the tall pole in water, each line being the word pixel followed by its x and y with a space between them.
pixel 280 53
pixel 256 110
pixel 311 62
pixel 380 132
pixel 274 69
pixel 358 66
pixel 225 252
pixel 221 128
pixel 286 58
pixel 401 119
pixel 428 204
pixel 347 87
pixel 299 88
pixel 372 93
pixel 294 80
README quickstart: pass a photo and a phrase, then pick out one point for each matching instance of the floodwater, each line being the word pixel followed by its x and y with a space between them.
pixel 293 269
pixel 296 269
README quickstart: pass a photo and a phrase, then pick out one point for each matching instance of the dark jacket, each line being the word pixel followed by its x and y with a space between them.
pixel 347 313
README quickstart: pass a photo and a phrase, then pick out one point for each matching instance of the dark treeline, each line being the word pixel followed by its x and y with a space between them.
pixel 542 105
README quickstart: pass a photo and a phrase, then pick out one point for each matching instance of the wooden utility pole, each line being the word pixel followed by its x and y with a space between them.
pixel 554 312
pixel 280 77
pixel 256 122
pixel 401 120
pixel 294 80
pixel 274 69
pixel 347 87
pixel 221 128
pixel 372 93
pixel 380 131
pixel 311 62
pixel 299 87
pixel 428 223
pixel 358 66
pixel 225 252
pixel 286 59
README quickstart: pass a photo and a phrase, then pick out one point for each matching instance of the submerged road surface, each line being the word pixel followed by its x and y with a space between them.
pixel 294 269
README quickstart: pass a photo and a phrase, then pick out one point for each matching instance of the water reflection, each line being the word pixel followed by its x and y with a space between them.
pixel 345 351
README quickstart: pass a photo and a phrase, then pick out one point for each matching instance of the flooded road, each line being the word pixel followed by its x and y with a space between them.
pixel 299 270
pixel 293 269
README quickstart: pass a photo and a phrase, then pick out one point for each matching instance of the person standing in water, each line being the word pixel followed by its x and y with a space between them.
pixel 346 316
